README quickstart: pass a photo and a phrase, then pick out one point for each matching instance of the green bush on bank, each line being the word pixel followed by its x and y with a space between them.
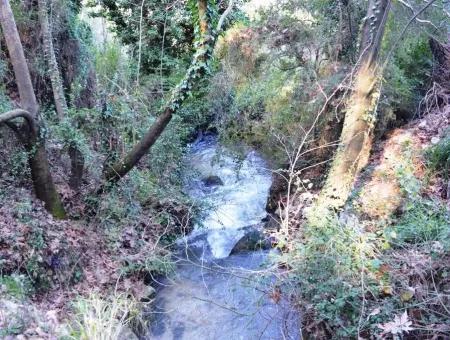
pixel 438 156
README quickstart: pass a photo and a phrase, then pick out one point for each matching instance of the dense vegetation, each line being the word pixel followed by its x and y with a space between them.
pixel 348 101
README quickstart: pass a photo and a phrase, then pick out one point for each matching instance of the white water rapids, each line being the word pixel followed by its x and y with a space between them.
pixel 215 295
pixel 238 203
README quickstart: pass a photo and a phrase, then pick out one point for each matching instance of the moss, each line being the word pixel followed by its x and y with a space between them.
pixel 57 209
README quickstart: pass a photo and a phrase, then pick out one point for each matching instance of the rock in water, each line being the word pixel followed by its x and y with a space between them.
pixel 212 181
pixel 253 239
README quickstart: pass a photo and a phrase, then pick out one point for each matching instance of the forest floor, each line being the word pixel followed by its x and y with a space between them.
pixel 51 269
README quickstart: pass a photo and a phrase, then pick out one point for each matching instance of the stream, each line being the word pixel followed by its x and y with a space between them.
pixel 221 289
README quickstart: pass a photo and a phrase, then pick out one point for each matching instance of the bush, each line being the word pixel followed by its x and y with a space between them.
pixel 16 286
pixel 423 219
pixel 438 156
pixel 331 264
pixel 104 319
pixel 426 221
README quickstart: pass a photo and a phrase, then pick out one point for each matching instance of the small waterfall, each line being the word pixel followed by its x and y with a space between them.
pixel 235 200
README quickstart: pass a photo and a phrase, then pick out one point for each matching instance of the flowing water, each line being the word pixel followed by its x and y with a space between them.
pixel 217 293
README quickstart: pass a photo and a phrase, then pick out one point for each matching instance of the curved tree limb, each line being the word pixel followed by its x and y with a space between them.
pixel 224 16
pixel 44 186
pixel 19 113
pixel 198 68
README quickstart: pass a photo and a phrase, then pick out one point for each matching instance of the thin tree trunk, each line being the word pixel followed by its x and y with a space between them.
pixel 76 157
pixel 356 136
pixel 195 72
pixel 37 156
pixel 49 50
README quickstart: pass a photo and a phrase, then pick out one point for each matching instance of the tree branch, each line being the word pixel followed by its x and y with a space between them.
pixel 224 16
pixel 19 113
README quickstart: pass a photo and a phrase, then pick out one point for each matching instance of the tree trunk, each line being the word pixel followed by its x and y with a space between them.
pixel 55 76
pixel 441 65
pixel 76 157
pixel 124 165
pixel 195 72
pixel 37 155
pixel 356 137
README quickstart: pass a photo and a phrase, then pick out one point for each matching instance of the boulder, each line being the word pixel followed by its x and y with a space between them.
pixel 212 181
pixel 253 239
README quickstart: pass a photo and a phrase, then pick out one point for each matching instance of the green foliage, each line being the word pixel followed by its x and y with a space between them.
pixel 266 98
pixel 155 264
pixel 330 266
pixel 137 223
pixel 109 62
pixel 3 68
pixel 14 327
pixel 438 156
pixel 18 164
pixel 163 22
pixel 408 75
pixel 423 219
pixel 16 286
pixel 71 136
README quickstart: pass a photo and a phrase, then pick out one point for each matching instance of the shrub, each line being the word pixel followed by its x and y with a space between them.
pixel 331 264
pixel 426 221
pixel 96 318
pixel 438 156
pixel 17 286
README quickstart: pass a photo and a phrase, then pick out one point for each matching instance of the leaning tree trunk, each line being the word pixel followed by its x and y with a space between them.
pixel 195 72
pixel 356 137
pixel 76 157
pixel 30 134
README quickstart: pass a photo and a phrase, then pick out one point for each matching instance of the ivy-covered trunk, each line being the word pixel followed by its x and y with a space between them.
pixel 204 47
pixel 76 157
pixel 30 133
pixel 360 116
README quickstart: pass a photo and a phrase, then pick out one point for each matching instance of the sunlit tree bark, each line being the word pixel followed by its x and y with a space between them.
pixel 360 116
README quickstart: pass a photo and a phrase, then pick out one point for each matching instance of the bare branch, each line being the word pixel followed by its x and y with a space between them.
pixel 224 16
pixel 411 8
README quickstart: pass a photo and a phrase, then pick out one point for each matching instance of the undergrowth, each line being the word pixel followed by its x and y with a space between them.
pixel 358 277
pixel 96 318
pixel 438 156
